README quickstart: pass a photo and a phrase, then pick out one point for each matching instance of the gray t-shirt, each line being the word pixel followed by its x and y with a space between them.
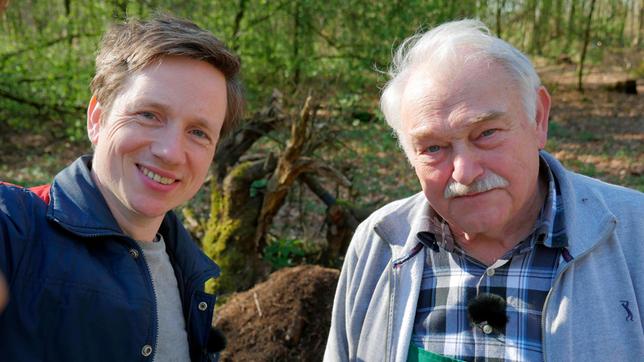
pixel 172 340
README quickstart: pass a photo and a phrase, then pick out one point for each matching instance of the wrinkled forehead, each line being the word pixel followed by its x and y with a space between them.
pixel 436 83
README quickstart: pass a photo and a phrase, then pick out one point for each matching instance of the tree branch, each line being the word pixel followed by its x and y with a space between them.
pixel 290 165
pixel 39 105
pixel 6 56
pixel 233 147
pixel 237 24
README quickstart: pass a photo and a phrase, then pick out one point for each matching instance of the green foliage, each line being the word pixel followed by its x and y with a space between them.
pixel 46 61
pixel 555 130
pixel 585 168
pixel 281 253
pixel 382 167
pixel 638 70
pixel 257 185
pixel 333 47
pixel 587 136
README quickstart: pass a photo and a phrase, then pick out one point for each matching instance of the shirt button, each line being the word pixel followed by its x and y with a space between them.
pixel 203 306
pixel 146 350
pixel 134 253
pixel 490 272
pixel 487 329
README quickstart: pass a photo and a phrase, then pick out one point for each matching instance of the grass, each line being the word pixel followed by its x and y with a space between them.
pixel 605 159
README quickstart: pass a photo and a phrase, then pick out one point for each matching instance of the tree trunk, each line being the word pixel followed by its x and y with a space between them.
pixel 640 32
pixel 571 26
pixel 500 4
pixel 341 220
pixel 580 71
pixel 235 145
pixel 558 18
pixel 252 192
pixel 230 231
pixel 622 25
pixel 241 11
pixel 4 4
pixel 544 33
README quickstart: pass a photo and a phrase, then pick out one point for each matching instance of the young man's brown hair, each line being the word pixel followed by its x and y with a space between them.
pixel 129 47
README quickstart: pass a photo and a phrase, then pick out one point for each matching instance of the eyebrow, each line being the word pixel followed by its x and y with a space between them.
pixel 423 131
pixel 487 116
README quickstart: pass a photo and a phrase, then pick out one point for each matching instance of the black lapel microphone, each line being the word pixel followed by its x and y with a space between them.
pixel 488 310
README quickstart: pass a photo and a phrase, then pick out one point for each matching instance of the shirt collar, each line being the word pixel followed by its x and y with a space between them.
pixel 550 226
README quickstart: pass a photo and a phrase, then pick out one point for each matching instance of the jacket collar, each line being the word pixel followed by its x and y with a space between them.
pixel 588 219
pixel 78 206
pixel 400 222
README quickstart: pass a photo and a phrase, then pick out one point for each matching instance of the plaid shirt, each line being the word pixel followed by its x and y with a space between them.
pixel 523 277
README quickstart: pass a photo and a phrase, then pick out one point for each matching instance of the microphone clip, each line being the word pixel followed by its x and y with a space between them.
pixel 488 312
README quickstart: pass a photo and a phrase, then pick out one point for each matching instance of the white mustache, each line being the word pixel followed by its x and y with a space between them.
pixel 491 181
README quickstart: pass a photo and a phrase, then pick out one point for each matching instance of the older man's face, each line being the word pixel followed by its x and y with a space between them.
pixel 156 142
pixel 473 148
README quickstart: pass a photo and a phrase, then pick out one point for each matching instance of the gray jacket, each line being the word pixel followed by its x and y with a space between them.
pixel 583 316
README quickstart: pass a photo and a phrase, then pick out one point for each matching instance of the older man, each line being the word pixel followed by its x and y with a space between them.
pixel 505 255
pixel 98 267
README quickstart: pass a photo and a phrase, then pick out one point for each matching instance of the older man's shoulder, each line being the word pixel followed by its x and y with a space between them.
pixel 612 194
pixel 390 222
pixel 596 199
pixel 394 218
pixel 401 208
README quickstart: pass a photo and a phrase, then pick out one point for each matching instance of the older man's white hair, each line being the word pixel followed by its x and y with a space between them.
pixel 446 44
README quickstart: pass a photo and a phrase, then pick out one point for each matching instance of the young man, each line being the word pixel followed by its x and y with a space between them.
pixel 98 266
pixel 505 255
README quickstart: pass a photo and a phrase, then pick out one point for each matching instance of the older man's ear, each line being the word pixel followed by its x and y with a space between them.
pixel 542 114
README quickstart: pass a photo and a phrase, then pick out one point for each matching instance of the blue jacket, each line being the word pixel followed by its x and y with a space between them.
pixel 80 289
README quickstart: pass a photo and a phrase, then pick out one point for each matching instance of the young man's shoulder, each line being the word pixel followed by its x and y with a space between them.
pixel 20 206
pixel 18 198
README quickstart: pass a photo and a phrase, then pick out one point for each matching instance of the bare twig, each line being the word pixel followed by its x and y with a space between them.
pixel 259 309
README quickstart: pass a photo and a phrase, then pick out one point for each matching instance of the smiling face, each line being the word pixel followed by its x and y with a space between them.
pixel 155 144
pixel 474 149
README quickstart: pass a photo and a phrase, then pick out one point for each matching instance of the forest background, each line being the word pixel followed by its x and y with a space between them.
pixel 315 156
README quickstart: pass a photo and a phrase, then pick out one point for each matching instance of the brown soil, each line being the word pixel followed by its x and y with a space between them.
pixel 285 318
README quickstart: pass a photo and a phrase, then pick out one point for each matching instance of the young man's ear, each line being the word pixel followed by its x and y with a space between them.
pixel 543 112
pixel 94 111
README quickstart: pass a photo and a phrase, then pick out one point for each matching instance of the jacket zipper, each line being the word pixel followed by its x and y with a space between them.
pixel 189 284
pixel 554 284
pixel 393 279
pixel 131 244
pixel 154 298
pixel 393 287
